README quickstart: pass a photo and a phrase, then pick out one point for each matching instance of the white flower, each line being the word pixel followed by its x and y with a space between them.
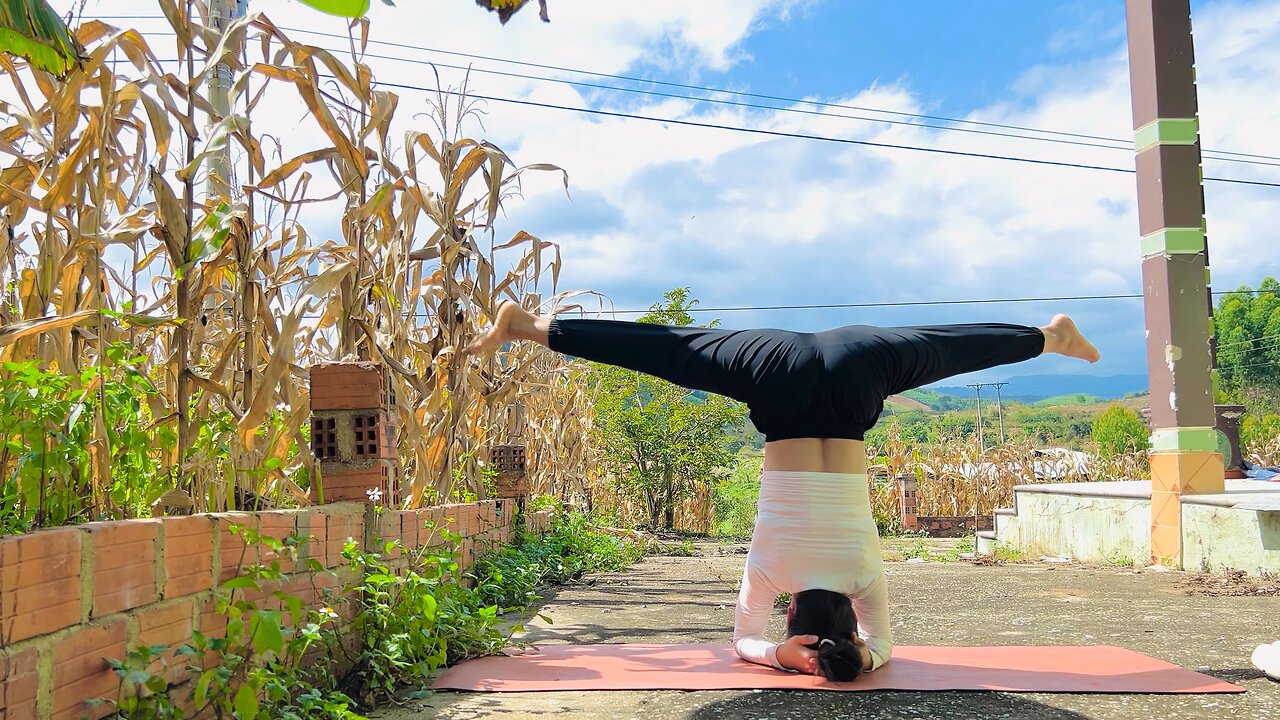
pixel 375 494
pixel 329 613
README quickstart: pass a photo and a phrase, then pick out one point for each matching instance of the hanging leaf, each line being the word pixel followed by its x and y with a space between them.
pixel 342 8
pixel 33 30
pixel 507 8
pixel 16 331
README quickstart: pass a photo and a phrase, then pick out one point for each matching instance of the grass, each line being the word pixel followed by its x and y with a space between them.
pixel 901 548
pixel 1006 552
pixel 1070 399
pixel 684 548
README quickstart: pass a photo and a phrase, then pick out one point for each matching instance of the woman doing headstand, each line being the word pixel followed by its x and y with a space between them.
pixel 814 396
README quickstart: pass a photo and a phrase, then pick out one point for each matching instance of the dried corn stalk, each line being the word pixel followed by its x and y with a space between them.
pixel 107 238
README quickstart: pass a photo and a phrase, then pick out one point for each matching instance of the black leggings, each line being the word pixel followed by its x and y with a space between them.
pixel 830 384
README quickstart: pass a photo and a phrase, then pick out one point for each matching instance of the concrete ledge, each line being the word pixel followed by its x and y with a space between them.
pixel 1217 537
pixel 1135 489
pixel 1235 496
pixel 1087 527
pixel 985 543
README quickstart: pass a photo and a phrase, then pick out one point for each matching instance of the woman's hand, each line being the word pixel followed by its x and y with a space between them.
pixel 793 655
pixel 861 644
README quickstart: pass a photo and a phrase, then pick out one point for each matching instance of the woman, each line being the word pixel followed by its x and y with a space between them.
pixel 813 395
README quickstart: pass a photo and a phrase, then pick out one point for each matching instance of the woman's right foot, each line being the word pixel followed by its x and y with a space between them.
pixel 513 323
pixel 1061 336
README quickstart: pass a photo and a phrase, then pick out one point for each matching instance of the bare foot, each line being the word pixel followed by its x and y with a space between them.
pixel 1061 336
pixel 513 323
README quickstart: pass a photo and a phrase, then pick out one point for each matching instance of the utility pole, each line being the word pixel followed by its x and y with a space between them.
pixel 1000 408
pixel 978 388
pixel 221 14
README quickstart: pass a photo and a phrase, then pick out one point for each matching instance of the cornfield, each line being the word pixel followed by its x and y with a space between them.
pixel 956 477
pixel 1266 454
pixel 159 278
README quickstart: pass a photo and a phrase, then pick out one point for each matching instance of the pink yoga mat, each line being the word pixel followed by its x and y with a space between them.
pixel 1088 669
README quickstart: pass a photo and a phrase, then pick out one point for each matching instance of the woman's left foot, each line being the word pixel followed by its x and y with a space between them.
pixel 1064 338
pixel 513 323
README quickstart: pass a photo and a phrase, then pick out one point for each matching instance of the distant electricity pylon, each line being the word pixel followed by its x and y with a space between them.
pixel 977 387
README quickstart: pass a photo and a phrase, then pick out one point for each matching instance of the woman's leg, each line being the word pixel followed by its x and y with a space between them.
pixel 734 363
pixel 899 359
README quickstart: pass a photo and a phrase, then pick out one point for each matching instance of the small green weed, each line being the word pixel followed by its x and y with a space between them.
pixel 1117 558
pixel 1008 552
pixel 684 548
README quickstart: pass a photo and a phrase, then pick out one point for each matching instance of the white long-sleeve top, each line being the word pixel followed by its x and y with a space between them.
pixel 814 531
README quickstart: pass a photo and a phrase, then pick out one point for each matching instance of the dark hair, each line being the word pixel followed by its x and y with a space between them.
pixel 828 615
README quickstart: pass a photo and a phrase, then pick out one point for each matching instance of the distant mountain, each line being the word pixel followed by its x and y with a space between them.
pixel 1033 388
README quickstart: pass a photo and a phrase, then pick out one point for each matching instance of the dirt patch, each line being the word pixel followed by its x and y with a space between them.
pixel 1232 583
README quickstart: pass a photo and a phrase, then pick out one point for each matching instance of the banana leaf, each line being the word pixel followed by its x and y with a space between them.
pixel 343 8
pixel 33 30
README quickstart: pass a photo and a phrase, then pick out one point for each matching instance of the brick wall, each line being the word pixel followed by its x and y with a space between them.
pixel 953 526
pixel 70 597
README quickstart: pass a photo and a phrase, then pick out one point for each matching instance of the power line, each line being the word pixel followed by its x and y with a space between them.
pixel 760 96
pixel 1265 342
pixel 1252 365
pixel 796 111
pixel 804 136
pixel 783 134
pixel 1125 144
pixel 910 303
pixel 1127 147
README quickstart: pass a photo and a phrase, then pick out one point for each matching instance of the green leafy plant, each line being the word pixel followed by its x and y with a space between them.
pixel 143 695
pixel 47 437
pixel 416 618
pixel 512 576
pixel 263 668
pixel 418 611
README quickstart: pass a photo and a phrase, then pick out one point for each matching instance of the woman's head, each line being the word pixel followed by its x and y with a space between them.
pixel 829 616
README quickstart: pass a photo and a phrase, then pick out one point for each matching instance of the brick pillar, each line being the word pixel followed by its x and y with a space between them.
pixel 353 434
pixel 509 465
pixel 907 501
pixel 1175 271
pixel 1228 422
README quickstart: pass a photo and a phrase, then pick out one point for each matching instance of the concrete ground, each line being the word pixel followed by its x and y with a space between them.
pixel 690 599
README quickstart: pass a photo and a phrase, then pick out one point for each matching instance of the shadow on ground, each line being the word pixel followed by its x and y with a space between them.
pixel 871 706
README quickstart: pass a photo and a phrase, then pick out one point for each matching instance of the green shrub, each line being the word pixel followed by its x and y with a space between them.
pixel 1119 430
pixel 413 622
pixel 511 576
pixel 736 499
pixel 1257 432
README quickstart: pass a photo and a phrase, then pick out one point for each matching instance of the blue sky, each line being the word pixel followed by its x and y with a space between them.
pixel 958 55
pixel 750 220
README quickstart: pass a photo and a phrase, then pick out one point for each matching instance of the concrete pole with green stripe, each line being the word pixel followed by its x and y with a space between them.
pixel 1175 270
